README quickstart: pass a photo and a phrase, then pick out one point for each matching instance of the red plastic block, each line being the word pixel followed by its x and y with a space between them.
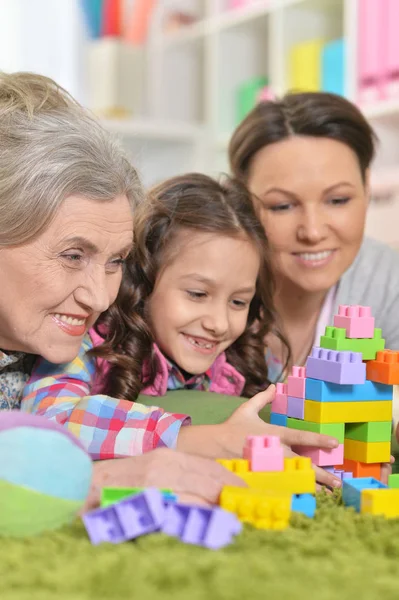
pixel 296 382
pixel 264 453
pixel 385 368
pixel 336 367
pixel 279 404
pixel 323 458
pixel 356 320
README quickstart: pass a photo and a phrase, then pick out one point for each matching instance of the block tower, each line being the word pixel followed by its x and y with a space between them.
pixel 345 391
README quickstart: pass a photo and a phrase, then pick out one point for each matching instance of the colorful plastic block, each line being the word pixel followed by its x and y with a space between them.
pixel 298 476
pixel 262 509
pixel 304 503
pixel 385 368
pixel 213 527
pixel 264 453
pixel 360 469
pixel 335 339
pixel 367 452
pixel 295 408
pixel 340 473
pixel 336 367
pixel 126 520
pixel 369 432
pixel 296 382
pixel 347 412
pixel 336 430
pixel 356 320
pixel 279 404
pixel 111 495
pixel 323 458
pixel 324 391
pixel 277 419
pixel 352 488
pixel 393 480
pixel 383 502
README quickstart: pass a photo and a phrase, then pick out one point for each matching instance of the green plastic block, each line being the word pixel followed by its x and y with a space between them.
pixel 335 338
pixel 336 430
pixel 110 495
pixel 393 480
pixel 369 432
pixel 247 94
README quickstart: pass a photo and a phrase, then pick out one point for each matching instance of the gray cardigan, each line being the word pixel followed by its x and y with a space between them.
pixel 373 280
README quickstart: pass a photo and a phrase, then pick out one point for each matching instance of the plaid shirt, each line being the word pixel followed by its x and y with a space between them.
pixel 109 428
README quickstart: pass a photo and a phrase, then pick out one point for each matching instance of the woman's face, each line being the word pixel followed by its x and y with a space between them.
pixel 312 202
pixel 54 288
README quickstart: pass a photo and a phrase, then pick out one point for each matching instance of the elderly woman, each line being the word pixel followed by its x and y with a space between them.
pixel 67 198
pixel 306 158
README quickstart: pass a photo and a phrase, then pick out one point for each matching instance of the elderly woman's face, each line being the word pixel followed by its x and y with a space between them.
pixel 54 288
pixel 313 203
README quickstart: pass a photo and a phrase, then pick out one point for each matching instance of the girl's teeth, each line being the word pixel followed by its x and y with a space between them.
pixel 69 320
pixel 194 342
pixel 315 255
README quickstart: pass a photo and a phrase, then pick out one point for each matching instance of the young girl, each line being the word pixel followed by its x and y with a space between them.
pixel 193 311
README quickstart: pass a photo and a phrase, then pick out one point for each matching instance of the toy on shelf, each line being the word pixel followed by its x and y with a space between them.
pixel 346 397
pixel 45 474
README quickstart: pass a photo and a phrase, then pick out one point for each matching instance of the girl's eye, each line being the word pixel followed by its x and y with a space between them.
pixel 341 200
pixel 239 303
pixel 196 295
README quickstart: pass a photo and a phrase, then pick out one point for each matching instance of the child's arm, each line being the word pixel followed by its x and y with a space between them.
pixel 109 428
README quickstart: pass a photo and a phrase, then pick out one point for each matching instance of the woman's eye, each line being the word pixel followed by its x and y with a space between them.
pixel 340 200
pixel 279 207
pixel 73 258
pixel 115 265
pixel 196 295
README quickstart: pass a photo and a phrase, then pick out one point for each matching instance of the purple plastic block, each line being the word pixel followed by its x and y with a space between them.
pixel 339 473
pixel 347 475
pixel 336 367
pixel 127 519
pixel 209 527
pixel 296 408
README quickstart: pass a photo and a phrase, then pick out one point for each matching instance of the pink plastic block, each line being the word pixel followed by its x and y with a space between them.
pixel 264 453
pixel 371 59
pixel 392 38
pixel 323 458
pixel 336 367
pixel 296 382
pixel 356 320
pixel 279 404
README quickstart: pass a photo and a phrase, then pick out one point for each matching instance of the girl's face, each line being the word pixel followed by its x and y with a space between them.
pixel 201 299
pixel 313 203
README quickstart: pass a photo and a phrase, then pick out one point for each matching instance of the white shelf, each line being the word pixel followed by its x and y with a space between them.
pixel 150 129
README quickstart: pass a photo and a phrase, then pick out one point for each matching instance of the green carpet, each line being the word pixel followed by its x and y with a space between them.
pixel 336 555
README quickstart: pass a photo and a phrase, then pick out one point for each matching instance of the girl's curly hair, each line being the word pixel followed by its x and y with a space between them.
pixel 189 202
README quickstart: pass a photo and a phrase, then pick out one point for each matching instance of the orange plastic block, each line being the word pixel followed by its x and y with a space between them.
pixel 385 368
pixel 380 502
pixel 262 509
pixel 361 469
pixel 298 476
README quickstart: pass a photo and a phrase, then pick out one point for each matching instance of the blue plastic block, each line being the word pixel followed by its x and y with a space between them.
pixel 332 67
pixel 277 419
pixel 128 519
pixel 304 503
pixel 209 527
pixel 324 391
pixel 352 488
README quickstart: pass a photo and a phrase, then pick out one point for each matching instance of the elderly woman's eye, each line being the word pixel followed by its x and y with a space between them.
pixel 73 257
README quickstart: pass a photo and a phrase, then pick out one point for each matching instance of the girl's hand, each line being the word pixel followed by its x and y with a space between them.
pixel 227 439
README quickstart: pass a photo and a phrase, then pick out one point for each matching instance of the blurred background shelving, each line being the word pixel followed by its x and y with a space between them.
pixel 204 61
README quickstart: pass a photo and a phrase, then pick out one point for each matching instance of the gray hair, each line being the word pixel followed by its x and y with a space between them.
pixel 52 148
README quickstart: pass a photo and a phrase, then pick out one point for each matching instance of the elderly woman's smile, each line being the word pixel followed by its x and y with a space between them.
pixel 56 286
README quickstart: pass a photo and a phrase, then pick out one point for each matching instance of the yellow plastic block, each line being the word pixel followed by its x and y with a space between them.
pixel 367 452
pixel 348 412
pixel 298 476
pixel 380 502
pixel 260 508
pixel 305 66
